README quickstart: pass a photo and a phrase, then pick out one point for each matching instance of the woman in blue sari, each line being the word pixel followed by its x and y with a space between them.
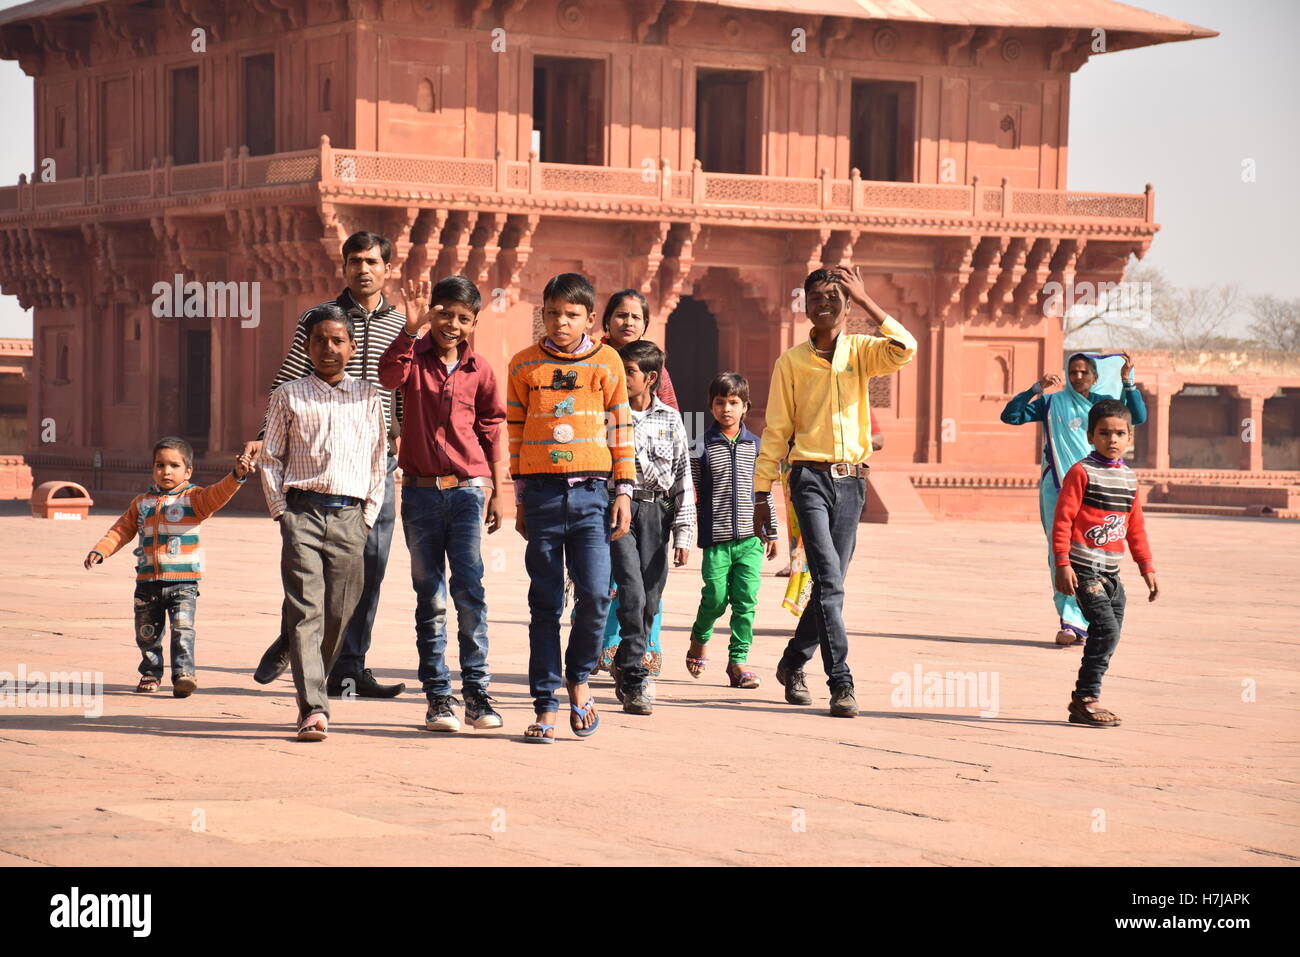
pixel 1064 414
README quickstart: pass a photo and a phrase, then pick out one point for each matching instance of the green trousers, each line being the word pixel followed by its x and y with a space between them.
pixel 731 576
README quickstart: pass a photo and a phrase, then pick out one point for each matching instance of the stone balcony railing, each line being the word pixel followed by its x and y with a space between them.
pixel 557 188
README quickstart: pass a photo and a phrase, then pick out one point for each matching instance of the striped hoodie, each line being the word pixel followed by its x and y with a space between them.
pixel 724 479
pixel 1097 511
pixel 375 333
pixel 167 524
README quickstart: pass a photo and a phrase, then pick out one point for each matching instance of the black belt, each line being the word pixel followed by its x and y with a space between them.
pixel 321 499
pixel 648 495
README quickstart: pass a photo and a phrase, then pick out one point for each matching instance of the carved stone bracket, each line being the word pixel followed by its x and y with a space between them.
pixel 485 245
pixel 1013 270
pixel 456 236
pixel 647 242
pixel 838 250
pixel 425 244
pixel 679 257
pixel 516 249
pixel 986 38
pixel 913 290
pixel 987 268
pixel 208 15
pixel 955 41
pixel 952 274
pixel 43 268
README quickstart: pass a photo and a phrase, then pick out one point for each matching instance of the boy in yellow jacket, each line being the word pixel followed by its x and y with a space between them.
pixel 819 417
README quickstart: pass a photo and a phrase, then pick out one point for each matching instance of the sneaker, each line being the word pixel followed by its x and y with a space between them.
pixel 796 686
pixel 440 717
pixel 479 712
pixel 843 703
pixel 635 701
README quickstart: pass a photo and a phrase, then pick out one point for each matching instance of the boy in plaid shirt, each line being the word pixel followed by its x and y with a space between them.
pixel 663 498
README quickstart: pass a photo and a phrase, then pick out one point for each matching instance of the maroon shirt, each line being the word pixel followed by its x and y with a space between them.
pixel 665 390
pixel 452 422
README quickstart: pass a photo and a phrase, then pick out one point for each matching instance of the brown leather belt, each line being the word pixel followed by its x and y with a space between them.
pixel 443 481
pixel 837 469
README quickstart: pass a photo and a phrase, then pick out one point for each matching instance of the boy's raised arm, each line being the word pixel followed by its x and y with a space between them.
pixel 207 500
pixel 397 361
pixel 890 351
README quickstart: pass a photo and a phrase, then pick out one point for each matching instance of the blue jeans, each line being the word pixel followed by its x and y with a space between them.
pixel 567 525
pixel 829 510
pixel 154 601
pixel 442 528
pixel 356 637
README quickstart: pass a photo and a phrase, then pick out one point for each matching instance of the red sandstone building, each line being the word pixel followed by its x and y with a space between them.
pixel 710 154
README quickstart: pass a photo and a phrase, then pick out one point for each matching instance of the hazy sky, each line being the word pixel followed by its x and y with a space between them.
pixel 1182 116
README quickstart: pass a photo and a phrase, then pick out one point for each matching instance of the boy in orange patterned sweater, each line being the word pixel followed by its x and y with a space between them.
pixel 570 439
pixel 169 563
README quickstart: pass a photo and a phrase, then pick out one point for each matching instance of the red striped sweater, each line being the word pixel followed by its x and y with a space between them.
pixel 1097 511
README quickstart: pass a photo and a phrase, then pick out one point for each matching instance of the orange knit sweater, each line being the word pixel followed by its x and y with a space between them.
pixel 567 414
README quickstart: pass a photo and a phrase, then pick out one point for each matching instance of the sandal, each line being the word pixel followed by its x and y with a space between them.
pixel 579 714
pixel 148 684
pixel 183 686
pixel 1090 712
pixel 541 736
pixel 743 679
pixel 1067 637
pixel 695 665
pixel 313 728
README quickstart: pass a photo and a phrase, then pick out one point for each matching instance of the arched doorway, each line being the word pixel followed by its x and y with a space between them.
pixel 691 343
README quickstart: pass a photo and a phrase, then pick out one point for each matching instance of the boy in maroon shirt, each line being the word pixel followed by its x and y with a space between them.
pixel 452 471
pixel 1097 511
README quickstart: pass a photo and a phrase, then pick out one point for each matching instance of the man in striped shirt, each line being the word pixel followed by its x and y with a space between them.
pixel 377 322
pixel 323 473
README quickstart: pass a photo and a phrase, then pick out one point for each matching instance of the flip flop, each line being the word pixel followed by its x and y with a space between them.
pixel 542 738
pixel 580 714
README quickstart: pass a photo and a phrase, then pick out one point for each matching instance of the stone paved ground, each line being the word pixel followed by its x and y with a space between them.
pixel 1197 774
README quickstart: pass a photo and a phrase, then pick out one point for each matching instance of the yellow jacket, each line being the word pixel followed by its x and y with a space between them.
pixel 819 410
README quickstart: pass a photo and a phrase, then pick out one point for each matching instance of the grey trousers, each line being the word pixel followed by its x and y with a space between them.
pixel 321 564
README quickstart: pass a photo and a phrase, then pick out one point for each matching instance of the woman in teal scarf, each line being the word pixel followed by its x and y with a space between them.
pixel 1064 414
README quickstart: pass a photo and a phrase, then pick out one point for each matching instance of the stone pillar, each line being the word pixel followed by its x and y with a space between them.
pixel 1250 423
pixel 1158 429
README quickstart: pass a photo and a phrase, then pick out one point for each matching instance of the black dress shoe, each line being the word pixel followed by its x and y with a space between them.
pixel 275 660
pixel 362 685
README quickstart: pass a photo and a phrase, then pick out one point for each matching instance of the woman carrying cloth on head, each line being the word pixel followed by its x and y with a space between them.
pixel 1064 414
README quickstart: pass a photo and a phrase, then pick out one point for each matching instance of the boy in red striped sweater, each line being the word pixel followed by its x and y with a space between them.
pixel 1097 511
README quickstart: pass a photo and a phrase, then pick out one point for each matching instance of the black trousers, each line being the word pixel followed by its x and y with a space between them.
pixel 640 560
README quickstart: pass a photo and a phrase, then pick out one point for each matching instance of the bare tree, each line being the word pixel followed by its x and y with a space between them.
pixel 1277 323
pixel 1118 315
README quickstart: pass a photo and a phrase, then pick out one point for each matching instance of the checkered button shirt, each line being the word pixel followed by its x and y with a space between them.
pixel 663 464
pixel 328 439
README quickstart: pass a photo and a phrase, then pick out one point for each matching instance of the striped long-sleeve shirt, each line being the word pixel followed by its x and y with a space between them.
pixel 724 479
pixel 663 459
pixel 325 438
pixel 167 527
pixel 1097 511
pixel 375 333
